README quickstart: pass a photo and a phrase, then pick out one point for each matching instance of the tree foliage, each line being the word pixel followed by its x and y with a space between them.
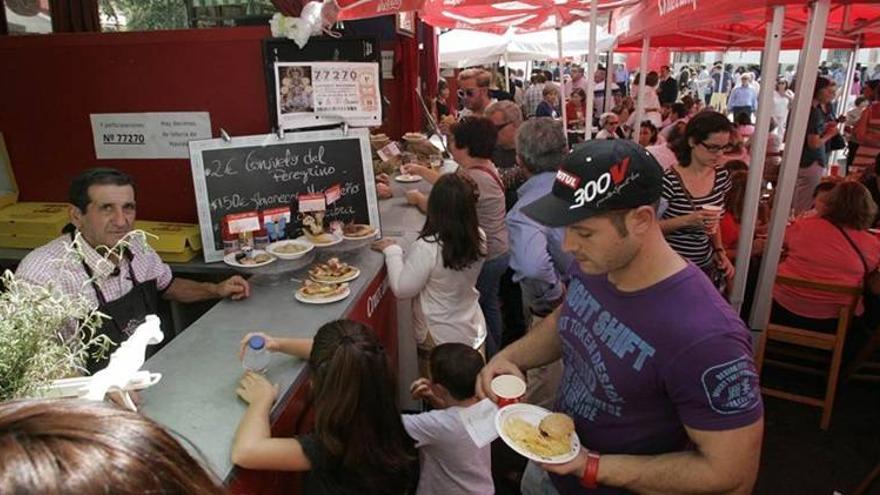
pixel 147 15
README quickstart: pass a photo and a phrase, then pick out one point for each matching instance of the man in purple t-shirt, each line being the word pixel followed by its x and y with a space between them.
pixel 659 375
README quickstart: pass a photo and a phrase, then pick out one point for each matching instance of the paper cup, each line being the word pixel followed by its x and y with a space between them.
pixel 509 389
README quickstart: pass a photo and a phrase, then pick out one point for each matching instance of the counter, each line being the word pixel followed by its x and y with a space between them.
pixel 196 397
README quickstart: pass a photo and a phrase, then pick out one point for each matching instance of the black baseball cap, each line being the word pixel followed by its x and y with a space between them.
pixel 597 177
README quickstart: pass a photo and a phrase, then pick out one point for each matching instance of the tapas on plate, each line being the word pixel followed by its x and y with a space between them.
pixel 254 259
pixel 358 231
pixel 538 434
pixel 321 293
pixel 289 249
pixel 333 271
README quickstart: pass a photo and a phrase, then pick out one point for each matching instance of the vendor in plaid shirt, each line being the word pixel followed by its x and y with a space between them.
pixel 534 95
pixel 125 285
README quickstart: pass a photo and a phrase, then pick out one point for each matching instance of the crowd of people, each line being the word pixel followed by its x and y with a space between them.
pixel 553 264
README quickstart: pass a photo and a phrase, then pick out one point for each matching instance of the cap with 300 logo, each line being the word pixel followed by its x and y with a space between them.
pixel 597 177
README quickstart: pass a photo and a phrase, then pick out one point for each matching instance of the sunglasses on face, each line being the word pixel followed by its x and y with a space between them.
pixel 462 93
pixel 715 148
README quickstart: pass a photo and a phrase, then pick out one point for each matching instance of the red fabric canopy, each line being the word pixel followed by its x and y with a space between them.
pixel 738 24
pixel 483 15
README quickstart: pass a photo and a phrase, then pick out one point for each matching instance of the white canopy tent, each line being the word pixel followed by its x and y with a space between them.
pixel 461 48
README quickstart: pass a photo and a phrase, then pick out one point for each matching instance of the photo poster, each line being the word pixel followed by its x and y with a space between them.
pixel 320 49
pixel 314 93
pixel 262 172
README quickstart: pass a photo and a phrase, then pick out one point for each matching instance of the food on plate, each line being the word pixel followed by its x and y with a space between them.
pixel 257 259
pixel 557 425
pixel 318 290
pixel 289 248
pixel 357 230
pixel 322 238
pixel 414 136
pixel 331 271
pixel 538 441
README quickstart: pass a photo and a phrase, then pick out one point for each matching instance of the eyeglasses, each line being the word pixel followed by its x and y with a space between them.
pixel 715 148
pixel 612 122
pixel 466 92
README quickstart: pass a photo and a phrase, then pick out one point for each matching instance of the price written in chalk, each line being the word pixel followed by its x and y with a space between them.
pixel 125 139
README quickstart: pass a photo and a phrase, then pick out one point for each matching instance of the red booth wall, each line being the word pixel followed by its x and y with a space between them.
pixel 52 83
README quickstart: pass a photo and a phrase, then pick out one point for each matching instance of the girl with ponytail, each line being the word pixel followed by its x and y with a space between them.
pixel 358 445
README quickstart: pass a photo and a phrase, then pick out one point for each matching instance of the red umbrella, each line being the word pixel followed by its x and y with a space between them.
pixel 739 25
pixel 483 15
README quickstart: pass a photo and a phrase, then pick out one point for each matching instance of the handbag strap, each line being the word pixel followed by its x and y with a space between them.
pixel 857 250
pixel 492 174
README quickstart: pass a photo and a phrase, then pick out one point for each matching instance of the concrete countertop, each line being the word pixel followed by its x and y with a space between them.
pixel 196 397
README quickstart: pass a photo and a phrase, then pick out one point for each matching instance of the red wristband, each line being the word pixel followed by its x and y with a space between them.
pixel 591 471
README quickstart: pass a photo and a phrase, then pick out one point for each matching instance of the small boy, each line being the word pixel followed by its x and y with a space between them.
pixel 450 461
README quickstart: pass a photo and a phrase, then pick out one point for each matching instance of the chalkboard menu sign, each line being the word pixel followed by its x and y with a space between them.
pixel 257 173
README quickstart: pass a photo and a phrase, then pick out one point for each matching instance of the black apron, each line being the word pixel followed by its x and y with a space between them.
pixel 125 313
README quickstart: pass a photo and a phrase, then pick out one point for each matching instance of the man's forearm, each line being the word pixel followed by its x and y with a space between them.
pixel 678 472
pixel 540 345
pixel 187 291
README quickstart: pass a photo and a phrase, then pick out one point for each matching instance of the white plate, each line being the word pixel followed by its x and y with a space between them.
pixel 348 278
pixel 229 259
pixel 328 300
pixel 532 414
pixel 374 233
pixel 407 178
pixel 337 238
pixel 290 256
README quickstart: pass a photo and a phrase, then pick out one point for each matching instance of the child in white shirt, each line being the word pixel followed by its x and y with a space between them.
pixel 441 268
pixel 450 461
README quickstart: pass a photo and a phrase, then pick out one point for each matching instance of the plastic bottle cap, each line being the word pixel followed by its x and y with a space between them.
pixel 256 342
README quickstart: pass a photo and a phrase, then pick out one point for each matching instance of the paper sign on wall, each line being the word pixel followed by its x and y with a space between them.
pixel 347 91
pixel 150 135
pixel 387 64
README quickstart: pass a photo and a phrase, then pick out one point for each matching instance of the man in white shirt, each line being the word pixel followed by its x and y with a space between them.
pixel 599 78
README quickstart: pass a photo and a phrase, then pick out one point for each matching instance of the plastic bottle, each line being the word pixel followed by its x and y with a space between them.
pixel 256 356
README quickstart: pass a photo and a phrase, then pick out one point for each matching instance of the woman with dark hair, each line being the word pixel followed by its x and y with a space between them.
pixel 358 445
pixel 647 134
pixel 441 268
pixel 835 247
pixel 73 447
pixel 814 157
pixel 576 109
pixel 694 191
pixel 441 102
pixel 733 208
pixel 471 146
